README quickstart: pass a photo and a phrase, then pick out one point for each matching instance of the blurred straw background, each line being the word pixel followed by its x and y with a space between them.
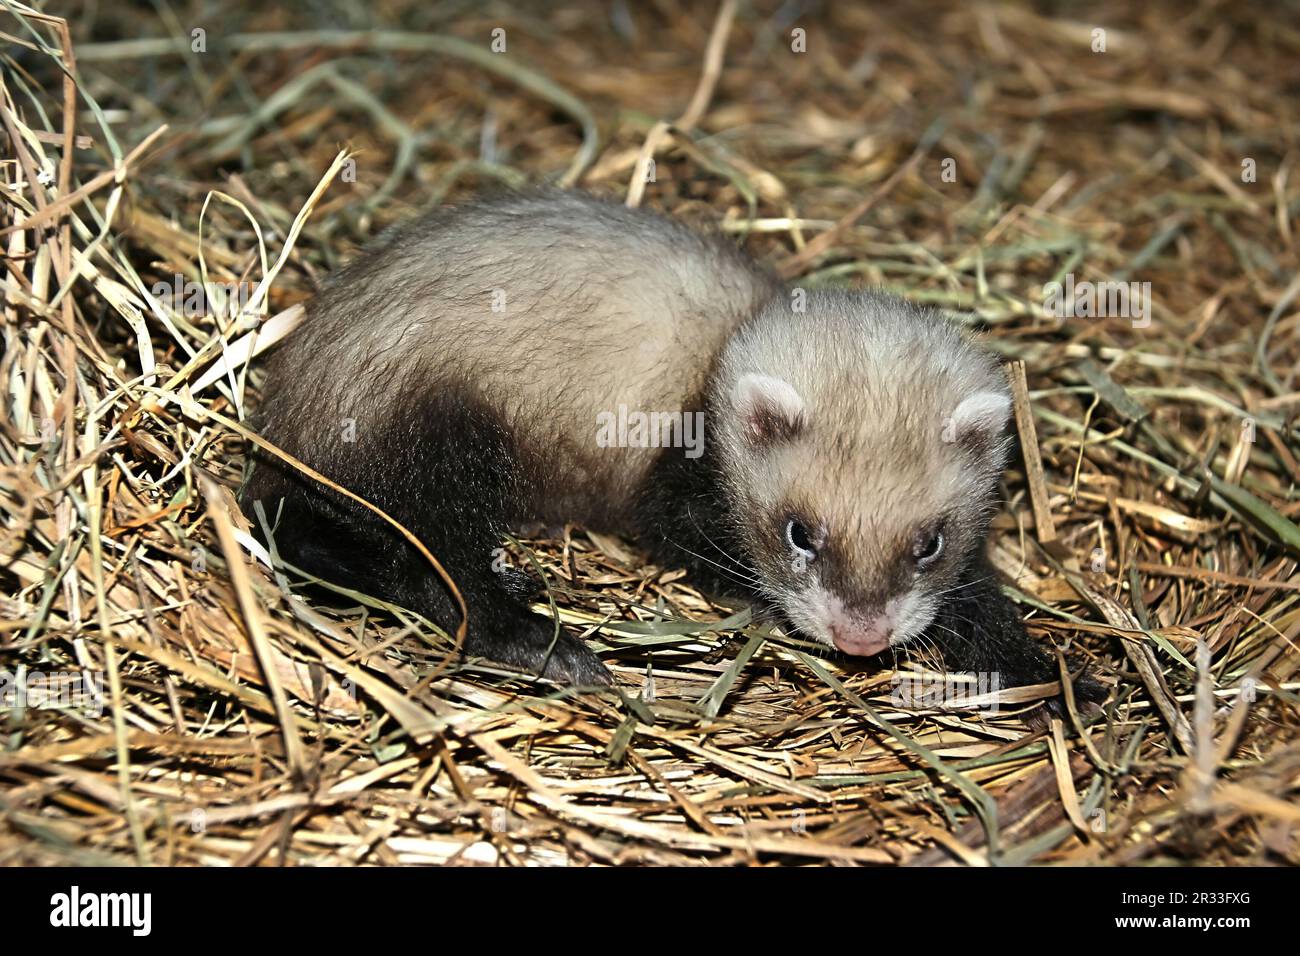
pixel 965 154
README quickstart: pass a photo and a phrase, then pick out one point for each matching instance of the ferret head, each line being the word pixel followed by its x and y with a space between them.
pixel 860 441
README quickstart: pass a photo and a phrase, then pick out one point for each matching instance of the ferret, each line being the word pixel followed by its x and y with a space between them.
pixel 465 374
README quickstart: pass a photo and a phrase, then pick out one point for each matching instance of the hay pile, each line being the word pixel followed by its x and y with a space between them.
pixel 964 155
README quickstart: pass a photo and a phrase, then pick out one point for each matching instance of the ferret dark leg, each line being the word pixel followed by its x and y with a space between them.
pixel 682 518
pixel 455 486
pixel 980 631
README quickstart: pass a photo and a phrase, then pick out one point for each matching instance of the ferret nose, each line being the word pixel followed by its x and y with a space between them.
pixel 862 638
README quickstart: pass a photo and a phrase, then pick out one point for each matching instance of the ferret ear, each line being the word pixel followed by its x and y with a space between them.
pixel 770 409
pixel 979 418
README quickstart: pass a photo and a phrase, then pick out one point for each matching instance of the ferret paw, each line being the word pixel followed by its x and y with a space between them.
pixel 525 642
pixel 1089 695
pixel 520 585
pixel 1088 698
pixel 574 664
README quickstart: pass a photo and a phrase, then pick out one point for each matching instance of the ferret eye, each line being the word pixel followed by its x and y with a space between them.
pixel 799 538
pixel 928 547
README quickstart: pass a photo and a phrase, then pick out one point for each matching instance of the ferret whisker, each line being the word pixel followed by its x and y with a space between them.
pixel 957 634
pixel 976 625
pixel 935 656
pixel 723 569
pixel 964 585
pixel 736 561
